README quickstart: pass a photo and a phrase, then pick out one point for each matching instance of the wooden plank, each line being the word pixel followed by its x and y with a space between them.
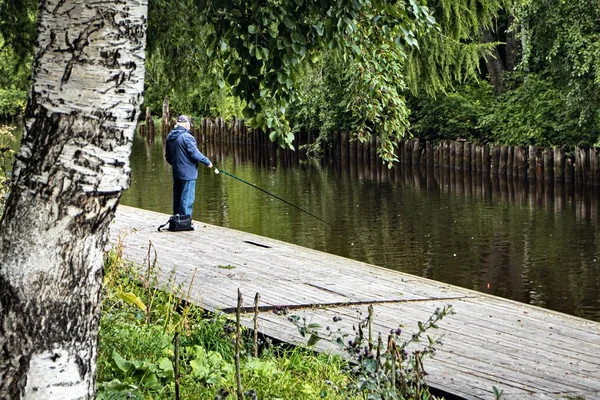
pixel 526 351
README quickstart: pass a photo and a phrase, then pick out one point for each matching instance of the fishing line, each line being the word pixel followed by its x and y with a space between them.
pixel 217 171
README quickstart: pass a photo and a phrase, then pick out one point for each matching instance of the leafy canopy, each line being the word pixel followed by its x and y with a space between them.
pixel 263 46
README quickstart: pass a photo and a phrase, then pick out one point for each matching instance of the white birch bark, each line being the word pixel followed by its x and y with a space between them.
pixel 67 180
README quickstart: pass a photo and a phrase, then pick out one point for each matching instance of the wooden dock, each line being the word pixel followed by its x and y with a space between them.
pixel 525 351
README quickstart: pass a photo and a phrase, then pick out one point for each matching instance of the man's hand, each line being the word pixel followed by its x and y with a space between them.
pixel 209 165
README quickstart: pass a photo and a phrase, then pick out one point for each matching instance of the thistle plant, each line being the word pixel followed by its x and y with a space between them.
pixel 393 370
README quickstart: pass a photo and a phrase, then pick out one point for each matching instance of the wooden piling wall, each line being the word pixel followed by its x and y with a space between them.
pixel 579 165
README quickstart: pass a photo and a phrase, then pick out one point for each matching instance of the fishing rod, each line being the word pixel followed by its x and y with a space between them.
pixel 217 171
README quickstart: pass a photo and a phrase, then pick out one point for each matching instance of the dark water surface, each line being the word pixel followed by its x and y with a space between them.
pixel 537 244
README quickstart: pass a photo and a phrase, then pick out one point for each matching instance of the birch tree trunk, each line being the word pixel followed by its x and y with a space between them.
pixel 67 180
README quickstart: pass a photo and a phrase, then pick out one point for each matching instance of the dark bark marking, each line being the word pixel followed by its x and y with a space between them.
pixel 58 5
pixel 11 301
pixel 76 48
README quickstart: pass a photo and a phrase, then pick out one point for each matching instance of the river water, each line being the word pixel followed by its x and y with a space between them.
pixel 536 244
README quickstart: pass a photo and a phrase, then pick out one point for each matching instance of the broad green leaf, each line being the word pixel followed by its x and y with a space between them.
pixel 262 368
pixel 116 386
pixel 131 298
pixel 296 37
pixel 248 113
pixel 260 117
pixel 150 381
pixel 319 28
pixel 312 340
pixel 165 364
pixel 289 22
pixel 122 364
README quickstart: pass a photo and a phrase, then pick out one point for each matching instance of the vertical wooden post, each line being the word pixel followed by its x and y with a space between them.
pixel 345 152
pixel 515 160
pixel 578 174
pixel 460 154
pixel 176 372
pixel 373 148
pixel 584 156
pixel 485 160
pixel 238 345
pixel 166 117
pixel 510 159
pixel 569 170
pixel 452 154
pixel 559 164
pixel 592 166
pixel 548 160
pixel 495 158
pixel 539 162
pixel 532 170
pixel 467 157
pixel 416 152
pixel 521 162
pixel 359 153
pixel 479 158
pixel 429 153
pixel 149 126
pixel 256 301
pixel 474 163
pixel 408 151
pixel 366 153
pixel 502 161
pixel 352 150
pixel 445 154
pixel 595 165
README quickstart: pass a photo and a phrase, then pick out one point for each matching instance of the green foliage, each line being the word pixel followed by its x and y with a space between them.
pixel 391 371
pixel 136 352
pixel 12 102
pixel 451 53
pixel 178 66
pixel 563 47
pixel 532 110
pixel 263 47
pixel 538 112
pixel 347 66
pixel 7 144
pixel 454 115
pixel 321 103
pixel 17 26
pixel 14 79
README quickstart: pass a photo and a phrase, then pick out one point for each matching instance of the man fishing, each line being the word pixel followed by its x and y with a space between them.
pixel 183 155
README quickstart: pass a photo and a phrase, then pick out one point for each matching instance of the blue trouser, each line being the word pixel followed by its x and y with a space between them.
pixel 183 196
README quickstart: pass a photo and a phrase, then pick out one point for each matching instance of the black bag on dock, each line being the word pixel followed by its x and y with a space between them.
pixel 178 223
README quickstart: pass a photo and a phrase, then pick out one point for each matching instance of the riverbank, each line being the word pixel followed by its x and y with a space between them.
pixel 490 342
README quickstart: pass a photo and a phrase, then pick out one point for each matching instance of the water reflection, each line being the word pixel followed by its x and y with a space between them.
pixel 535 242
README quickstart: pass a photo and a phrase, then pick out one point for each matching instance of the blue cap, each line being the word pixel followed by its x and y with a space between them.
pixel 184 118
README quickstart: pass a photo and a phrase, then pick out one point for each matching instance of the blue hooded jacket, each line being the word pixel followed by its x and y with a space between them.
pixel 183 154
